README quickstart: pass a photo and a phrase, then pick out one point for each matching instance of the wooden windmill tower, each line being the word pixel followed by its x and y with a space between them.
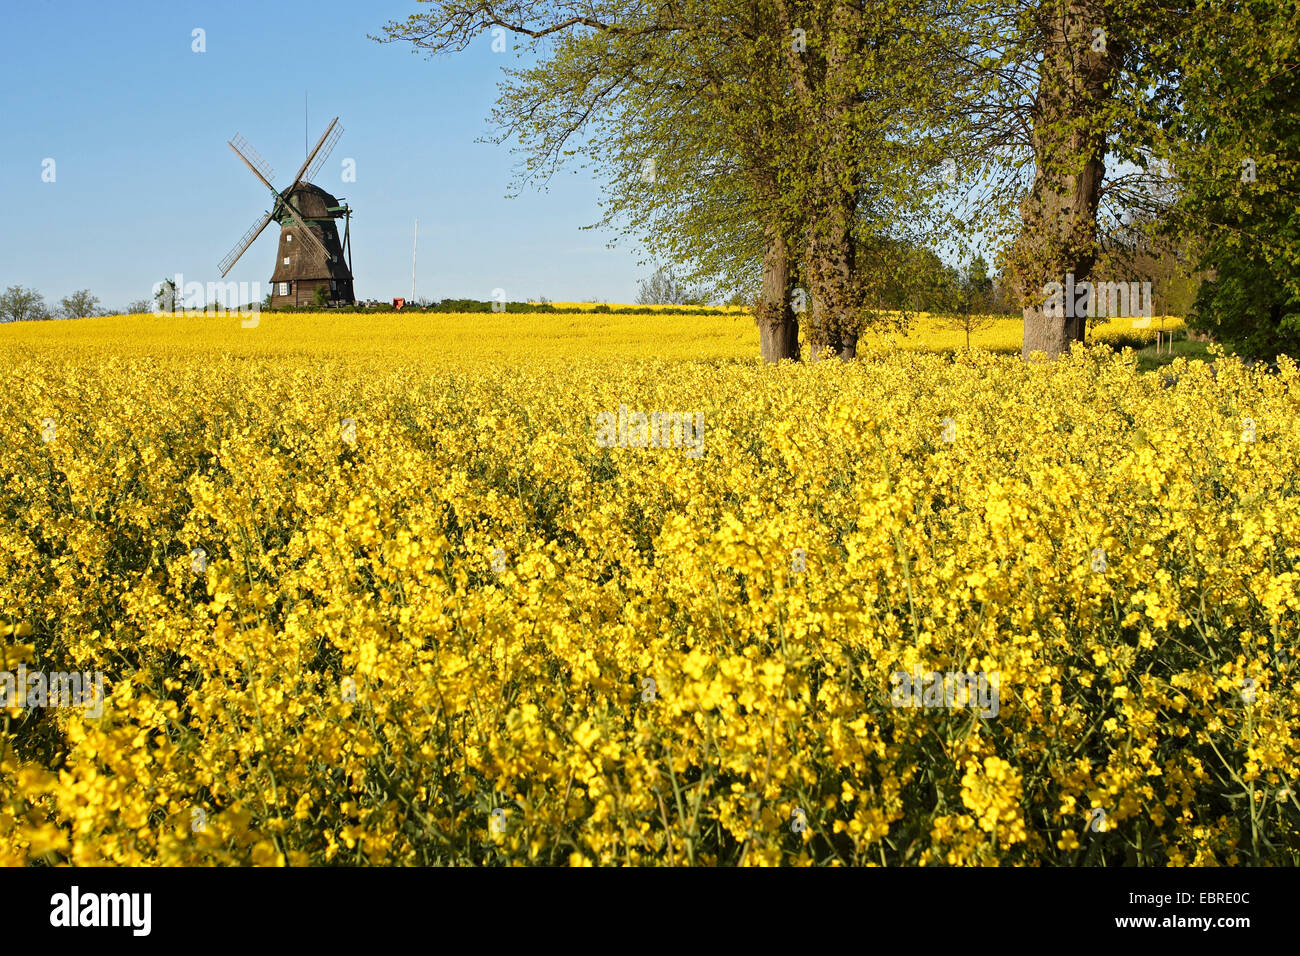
pixel 310 254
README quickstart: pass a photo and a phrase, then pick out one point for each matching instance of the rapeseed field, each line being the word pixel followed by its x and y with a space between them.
pixel 384 590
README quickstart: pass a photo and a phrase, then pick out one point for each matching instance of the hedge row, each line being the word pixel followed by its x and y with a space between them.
pixel 472 305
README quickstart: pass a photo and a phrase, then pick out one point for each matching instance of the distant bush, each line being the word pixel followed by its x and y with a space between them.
pixel 473 305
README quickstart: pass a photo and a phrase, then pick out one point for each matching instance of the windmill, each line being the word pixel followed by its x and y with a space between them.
pixel 310 254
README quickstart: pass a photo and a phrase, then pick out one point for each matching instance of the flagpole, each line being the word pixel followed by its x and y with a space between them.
pixel 414 250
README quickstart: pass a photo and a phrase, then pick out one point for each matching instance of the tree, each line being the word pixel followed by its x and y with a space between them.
pixel 18 304
pixel 977 286
pixel 1143 249
pixel 1229 136
pixel 1154 106
pixel 663 288
pixel 778 133
pixel 1078 53
pixel 1004 300
pixel 878 105
pixel 691 162
pixel 138 307
pixel 916 279
pixel 79 304
pixel 321 296
pixel 973 295
pixel 1066 127
pixel 167 299
pixel 792 143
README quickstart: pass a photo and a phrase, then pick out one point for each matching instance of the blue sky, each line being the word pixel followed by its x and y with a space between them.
pixel 145 187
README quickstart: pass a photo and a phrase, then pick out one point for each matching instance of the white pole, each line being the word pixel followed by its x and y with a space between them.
pixel 414 249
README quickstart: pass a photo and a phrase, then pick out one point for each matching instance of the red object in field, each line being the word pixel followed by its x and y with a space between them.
pixel 398 303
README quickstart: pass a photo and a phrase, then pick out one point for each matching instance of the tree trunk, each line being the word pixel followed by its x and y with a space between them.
pixel 778 323
pixel 848 346
pixel 1059 215
pixel 829 102
pixel 826 335
pixel 1050 333
pixel 831 275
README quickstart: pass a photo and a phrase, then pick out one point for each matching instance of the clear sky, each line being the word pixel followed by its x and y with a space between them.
pixel 145 186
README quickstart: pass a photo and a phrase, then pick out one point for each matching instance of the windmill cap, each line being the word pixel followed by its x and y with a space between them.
pixel 312 202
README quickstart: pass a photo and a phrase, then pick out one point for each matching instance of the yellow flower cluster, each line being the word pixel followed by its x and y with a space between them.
pixel 461 630
pixel 932 333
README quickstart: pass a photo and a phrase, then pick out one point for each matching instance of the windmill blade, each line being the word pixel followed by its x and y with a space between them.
pixel 312 156
pixel 319 161
pixel 252 157
pixel 308 236
pixel 250 237
pixel 282 202
pixel 262 171
pixel 266 180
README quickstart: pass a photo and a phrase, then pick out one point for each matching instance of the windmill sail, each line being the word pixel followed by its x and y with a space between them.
pixel 250 237
pixel 319 161
pixel 307 163
pixel 308 236
pixel 281 199
pixel 254 158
